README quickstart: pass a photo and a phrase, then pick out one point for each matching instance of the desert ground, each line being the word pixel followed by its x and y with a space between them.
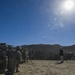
pixel 46 67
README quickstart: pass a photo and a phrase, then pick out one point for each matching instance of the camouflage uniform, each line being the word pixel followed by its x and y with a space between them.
pixel 11 54
pixel 2 59
pixel 25 55
pixel 18 57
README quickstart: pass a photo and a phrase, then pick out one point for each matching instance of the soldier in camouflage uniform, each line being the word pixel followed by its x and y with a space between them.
pixel 3 49
pixel 25 55
pixel 11 54
pixel 18 58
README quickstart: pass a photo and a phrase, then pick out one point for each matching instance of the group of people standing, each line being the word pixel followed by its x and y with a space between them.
pixel 10 58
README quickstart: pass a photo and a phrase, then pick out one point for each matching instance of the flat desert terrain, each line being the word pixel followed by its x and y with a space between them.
pixel 46 67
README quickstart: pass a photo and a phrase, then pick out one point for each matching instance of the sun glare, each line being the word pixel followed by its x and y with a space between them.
pixel 69 4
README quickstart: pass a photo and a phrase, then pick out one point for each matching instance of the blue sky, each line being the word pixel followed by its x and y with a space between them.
pixel 36 22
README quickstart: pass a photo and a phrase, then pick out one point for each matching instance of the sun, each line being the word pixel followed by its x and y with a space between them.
pixel 69 4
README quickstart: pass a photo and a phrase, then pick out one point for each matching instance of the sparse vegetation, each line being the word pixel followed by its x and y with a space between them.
pixel 49 52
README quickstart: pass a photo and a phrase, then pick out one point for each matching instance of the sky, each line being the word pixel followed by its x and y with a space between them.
pixel 25 22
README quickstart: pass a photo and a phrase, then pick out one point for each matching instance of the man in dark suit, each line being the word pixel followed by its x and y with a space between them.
pixel 61 55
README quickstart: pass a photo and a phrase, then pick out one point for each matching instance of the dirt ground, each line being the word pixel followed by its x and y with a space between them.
pixel 46 67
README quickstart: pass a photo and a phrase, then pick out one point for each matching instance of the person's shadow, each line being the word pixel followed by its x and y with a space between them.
pixel 60 62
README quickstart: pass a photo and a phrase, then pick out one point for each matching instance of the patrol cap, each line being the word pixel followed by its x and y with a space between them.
pixel 10 47
pixel 2 43
pixel 4 47
pixel 0 47
pixel 18 47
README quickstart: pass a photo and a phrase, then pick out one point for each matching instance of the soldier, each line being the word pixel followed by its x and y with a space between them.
pixel 2 58
pixel 25 55
pixel 11 54
pixel 18 57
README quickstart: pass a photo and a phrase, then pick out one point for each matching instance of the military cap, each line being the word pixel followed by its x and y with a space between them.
pixel 2 43
pixel 10 47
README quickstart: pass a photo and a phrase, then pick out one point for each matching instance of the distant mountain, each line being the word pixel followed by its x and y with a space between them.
pixel 49 52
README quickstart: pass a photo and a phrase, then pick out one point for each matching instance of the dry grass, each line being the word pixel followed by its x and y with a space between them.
pixel 42 67
pixel 46 67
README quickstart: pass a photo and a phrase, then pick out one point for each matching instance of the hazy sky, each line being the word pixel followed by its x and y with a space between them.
pixel 36 22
